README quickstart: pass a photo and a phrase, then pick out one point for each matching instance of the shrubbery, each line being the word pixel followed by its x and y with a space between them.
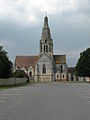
pixel 19 74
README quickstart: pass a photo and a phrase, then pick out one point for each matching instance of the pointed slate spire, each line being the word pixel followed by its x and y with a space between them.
pixel 46 42
pixel 46 22
pixel 46 30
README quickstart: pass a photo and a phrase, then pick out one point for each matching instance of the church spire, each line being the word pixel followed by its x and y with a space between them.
pixel 46 22
pixel 46 42
pixel 46 30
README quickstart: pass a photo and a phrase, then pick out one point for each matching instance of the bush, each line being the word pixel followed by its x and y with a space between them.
pixel 19 74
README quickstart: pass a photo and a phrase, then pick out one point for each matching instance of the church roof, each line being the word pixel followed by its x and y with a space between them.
pixel 59 59
pixel 26 61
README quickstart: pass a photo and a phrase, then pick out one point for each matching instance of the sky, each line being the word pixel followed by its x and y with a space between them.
pixel 21 23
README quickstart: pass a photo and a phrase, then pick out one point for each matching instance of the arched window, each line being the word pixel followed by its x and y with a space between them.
pixel 44 69
pixel 41 47
pixel 30 74
pixel 61 68
pixel 46 48
pixel 63 76
pixel 45 41
pixel 49 48
pixel 57 76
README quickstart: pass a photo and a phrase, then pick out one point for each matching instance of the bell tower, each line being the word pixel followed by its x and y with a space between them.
pixel 46 42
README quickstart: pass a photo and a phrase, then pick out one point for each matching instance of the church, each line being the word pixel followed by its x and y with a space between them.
pixel 46 67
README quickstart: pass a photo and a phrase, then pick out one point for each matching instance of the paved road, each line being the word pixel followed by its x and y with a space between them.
pixel 56 101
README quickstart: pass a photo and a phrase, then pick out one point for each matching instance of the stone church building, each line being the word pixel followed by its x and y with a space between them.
pixel 46 66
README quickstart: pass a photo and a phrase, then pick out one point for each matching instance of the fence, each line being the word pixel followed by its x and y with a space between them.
pixel 13 81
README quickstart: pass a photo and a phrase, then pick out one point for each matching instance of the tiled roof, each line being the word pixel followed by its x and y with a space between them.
pixel 60 59
pixel 26 61
pixel 71 69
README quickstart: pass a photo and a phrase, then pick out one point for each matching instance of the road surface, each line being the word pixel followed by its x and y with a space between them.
pixel 51 101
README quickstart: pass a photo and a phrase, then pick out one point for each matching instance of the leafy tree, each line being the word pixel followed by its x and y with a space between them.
pixel 19 74
pixel 82 68
pixel 5 64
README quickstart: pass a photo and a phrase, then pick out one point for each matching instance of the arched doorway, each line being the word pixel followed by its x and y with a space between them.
pixel 30 74
pixel 44 69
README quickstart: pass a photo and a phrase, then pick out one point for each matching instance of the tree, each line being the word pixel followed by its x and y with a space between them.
pixel 5 64
pixel 19 74
pixel 82 68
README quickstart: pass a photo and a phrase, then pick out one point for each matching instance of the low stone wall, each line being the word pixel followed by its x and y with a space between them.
pixel 12 81
pixel 80 79
pixel 43 78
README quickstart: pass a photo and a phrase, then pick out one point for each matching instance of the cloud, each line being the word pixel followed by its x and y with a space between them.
pixel 21 22
pixel 72 57
pixel 16 10
pixel 29 11
pixel 4 43
pixel 73 54
pixel 83 5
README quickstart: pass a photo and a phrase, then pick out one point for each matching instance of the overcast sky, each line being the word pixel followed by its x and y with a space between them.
pixel 21 23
